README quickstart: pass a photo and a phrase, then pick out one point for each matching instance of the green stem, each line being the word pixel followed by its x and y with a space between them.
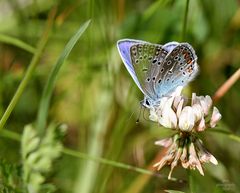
pixel 10 135
pixel 41 45
pixel 17 137
pixel 227 133
pixel 185 21
pixel 105 161
pixel 17 42
pixel 191 181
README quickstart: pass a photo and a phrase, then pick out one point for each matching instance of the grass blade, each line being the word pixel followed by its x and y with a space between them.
pixel 16 42
pixel 48 89
pixel 40 48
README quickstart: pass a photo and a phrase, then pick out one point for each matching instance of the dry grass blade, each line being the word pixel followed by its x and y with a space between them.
pixel 226 86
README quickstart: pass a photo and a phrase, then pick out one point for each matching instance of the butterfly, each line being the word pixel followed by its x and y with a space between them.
pixel 158 69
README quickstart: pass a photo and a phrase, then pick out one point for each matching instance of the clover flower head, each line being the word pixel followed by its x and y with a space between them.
pixel 175 112
pixel 187 118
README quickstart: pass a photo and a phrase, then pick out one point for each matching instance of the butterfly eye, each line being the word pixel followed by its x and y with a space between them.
pixel 176 58
pixel 167 79
pixel 140 57
pixel 184 73
pixel 148 79
pixel 136 61
pixel 170 72
pixel 154 78
pixel 162 70
pixel 160 80
pixel 147 103
pixel 181 68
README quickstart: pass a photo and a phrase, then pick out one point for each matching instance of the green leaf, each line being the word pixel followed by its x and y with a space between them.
pixel 48 89
pixel 38 155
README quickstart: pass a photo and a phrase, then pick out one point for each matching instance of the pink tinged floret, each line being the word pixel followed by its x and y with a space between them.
pixel 179 107
pixel 186 119
pixel 175 161
pixel 216 116
pixel 206 103
pixel 164 142
pixel 184 158
pixel 203 154
pixel 213 159
pixel 198 112
pixel 193 159
pixel 168 118
pixel 176 101
pixel 201 126
pixel 195 99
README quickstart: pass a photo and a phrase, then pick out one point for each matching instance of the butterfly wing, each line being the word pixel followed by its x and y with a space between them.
pixel 178 68
pixel 142 59
pixel 124 46
pixel 158 70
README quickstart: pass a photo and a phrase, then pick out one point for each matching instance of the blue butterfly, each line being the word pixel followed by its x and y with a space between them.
pixel 158 69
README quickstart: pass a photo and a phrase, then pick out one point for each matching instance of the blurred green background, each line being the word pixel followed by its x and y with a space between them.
pixel 98 100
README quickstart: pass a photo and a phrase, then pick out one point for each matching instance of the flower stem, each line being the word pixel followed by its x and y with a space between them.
pixel 226 86
pixel 191 181
pixel 40 48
